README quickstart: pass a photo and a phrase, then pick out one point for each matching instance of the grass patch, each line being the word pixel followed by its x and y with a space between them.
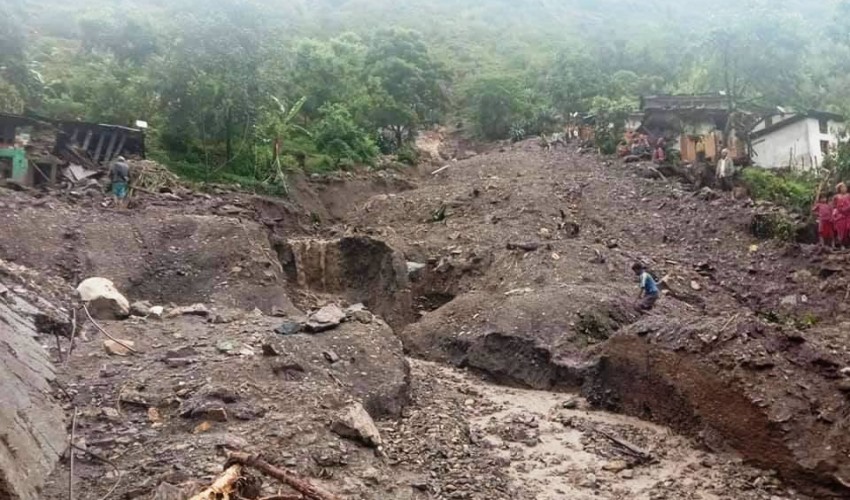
pixel 792 191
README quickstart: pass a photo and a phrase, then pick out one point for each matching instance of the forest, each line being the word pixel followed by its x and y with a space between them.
pixel 251 90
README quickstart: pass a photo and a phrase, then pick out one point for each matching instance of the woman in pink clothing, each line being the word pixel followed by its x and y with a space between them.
pixel 842 215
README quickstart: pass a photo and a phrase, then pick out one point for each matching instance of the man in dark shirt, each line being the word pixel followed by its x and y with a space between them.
pixel 119 174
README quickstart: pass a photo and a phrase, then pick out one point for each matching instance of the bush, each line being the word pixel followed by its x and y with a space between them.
pixel 339 137
pixel 792 191
pixel 408 155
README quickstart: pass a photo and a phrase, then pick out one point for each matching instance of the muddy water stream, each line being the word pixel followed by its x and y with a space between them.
pixel 559 448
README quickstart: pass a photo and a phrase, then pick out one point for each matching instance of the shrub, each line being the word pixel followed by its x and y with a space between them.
pixel 408 155
pixel 339 137
pixel 793 191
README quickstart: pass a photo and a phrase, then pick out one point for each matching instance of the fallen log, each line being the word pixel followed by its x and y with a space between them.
pixel 299 484
pixel 223 487
pixel 630 449
pixel 525 246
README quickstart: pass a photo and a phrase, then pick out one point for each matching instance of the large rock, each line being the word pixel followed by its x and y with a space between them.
pixel 354 422
pixel 31 422
pixel 104 300
pixel 326 318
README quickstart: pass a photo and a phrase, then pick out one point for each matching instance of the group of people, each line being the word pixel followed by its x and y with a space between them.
pixel 834 218
pixel 639 146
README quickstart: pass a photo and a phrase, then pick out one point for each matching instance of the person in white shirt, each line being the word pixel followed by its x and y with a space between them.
pixel 725 169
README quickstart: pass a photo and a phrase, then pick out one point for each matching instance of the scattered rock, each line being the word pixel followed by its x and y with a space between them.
pixel 326 318
pixel 524 246
pixel 571 404
pixel 141 308
pixel 627 474
pixel 193 310
pixel 590 481
pixel 225 346
pixel 354 422
pixel 156 312
pixel 695 286
pixel 105 302
pixel 115 349
pixel 331 356
pixel 615 466
pixel 707 194
pixel 359 313
pixel 789 301
pixel 289 328
pixel 415 268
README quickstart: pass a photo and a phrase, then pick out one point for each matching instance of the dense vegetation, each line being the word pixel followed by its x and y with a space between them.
pixel 254 89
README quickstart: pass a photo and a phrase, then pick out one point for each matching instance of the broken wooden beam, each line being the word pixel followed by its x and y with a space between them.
pixel 223 487
pixel 297 483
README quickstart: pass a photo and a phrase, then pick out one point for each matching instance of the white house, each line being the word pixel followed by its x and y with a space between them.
pixel 799 141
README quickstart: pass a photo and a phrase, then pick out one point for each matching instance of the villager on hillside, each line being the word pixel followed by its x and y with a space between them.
pixel 826 223
pixel 119 174
pixel 725 170
pixel 648 288
pixel 841 205
pixel 660 154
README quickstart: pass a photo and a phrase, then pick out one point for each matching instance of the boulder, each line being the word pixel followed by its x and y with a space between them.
pixel 326 318
pixel 354 422
pixel 104 300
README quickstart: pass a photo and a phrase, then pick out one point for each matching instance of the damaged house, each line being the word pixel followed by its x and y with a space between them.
pixel 699 127
pixel 37 151
pixel 799 141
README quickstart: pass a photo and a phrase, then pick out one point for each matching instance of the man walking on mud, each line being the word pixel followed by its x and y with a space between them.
pixel 119 174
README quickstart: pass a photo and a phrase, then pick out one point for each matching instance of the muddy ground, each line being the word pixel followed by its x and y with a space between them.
pixel 511 267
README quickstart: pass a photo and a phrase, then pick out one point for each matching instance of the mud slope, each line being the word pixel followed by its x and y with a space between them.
pixel 537 247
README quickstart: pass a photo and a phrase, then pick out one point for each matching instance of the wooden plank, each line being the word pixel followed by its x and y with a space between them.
pixel 98 149
pixel 109 149
pixel 120 149
pixel 87 141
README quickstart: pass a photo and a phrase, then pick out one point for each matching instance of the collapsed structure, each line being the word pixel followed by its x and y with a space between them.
pixel 700 126
pixel 36 151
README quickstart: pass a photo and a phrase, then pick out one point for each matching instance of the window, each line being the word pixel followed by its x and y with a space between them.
pixel 824 147
pixel 824 126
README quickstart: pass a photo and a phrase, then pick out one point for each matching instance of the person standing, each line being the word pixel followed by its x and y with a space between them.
pixel 842 215
pixel 826 224
pixel 119 174
pixel 725 169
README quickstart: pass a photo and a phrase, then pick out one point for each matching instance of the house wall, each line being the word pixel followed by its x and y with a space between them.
pixel 796 146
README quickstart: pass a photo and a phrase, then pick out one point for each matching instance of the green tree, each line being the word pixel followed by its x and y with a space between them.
pixel 10 100
pixel 495 105
pixel 405 82
pixel 338 136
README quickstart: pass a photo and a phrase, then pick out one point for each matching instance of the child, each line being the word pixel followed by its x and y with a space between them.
pixel 648 288
pixel 826 227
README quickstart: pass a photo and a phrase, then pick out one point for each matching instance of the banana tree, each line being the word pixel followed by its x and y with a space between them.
pixel 279 125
